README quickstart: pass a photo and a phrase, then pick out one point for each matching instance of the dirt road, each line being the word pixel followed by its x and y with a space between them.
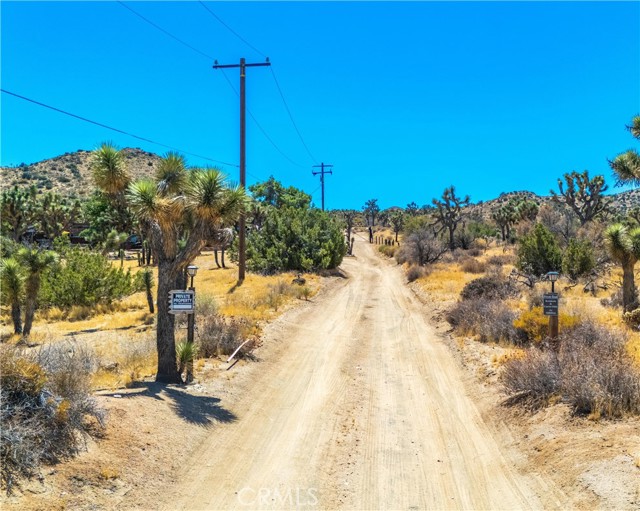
pixel 357 405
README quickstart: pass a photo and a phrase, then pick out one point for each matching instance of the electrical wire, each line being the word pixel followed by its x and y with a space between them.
pixel 166 32
pixel 273 74
pixel 209 57
pixel 231 30
pixel 259 126
pixel 116 129
pixel 291 115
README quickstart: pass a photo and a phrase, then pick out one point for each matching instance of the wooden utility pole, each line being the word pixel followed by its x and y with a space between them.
pixel 322 172
pixel 242 250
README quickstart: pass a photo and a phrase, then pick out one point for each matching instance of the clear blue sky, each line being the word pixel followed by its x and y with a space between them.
pixel 403 99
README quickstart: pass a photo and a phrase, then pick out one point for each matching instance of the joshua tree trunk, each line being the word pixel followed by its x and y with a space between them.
pixel 29 312
pixel 149 298
pixel 628 287
pixel 15 316
pixel 165 339
pixel 222 257
pixel 215 255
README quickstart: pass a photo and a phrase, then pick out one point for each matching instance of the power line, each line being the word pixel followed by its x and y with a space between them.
pixel 115 129
pixel 273 74
pixel 253 117
pixel 231 30
pixel 291 116
pixel 209 57
pixel 166 32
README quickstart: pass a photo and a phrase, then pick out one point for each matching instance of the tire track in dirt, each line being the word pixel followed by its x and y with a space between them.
pixel 363 408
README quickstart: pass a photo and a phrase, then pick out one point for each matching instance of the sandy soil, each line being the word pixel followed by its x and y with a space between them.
pixel 360 407
pixel 357 402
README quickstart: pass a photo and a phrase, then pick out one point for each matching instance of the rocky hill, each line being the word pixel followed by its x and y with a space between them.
pixel 69 174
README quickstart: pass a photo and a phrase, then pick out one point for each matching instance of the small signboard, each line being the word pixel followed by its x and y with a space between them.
pixel 181 301
pixel 550 304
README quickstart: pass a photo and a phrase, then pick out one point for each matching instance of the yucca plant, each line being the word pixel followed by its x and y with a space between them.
pixel 626 166
pixel 185 355
pixel 35 262
pixel 12 280
pixel 108 168
pixel 623 246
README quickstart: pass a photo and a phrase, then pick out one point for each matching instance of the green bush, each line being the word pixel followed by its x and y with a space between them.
pixel 84 278
pixel 538 252
pixel 578 259
pixel 295 239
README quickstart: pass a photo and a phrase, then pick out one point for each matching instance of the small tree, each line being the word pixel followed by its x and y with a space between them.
pixel 538 252
pixel 35 262
pixel 412 209
pixel 624 247
pixel 371 210
pixel 578 259
pixel 449 213
pixel 583 195
pixel 397 222
pixel 421 247
pixel 349 216
pixel 12 279
pixel 505 217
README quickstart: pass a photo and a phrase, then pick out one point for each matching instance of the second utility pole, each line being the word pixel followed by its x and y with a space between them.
pixel 322 172
pixel 242 251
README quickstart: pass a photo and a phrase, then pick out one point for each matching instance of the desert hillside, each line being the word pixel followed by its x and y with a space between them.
pixel 69 174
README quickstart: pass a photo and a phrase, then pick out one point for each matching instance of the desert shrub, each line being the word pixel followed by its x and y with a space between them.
pixel 295 239
pixel 598 374
pixel 205 305
pixel 500 260
pixel 592 372
pixel 536 325
pixel 221 336
pixel 532 379
pixel 538 252
pixel 45 407
pixel 578 259
pixel 632 318
pixel 615 300
pixel 83 278
pixel 414 272
pixel 388 250
pixel 421 247
pixel 491 320
pixel 491 287
pixel 472 265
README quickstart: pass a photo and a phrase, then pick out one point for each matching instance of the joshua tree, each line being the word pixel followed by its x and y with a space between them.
pixel 12 280
pixel 371 210
pixel 397 222
pixel 626 166
pixel 349 216
pixel 624 247
pixel 583 195
pixel 448 212
pixel 17 211
pixel 178 217
pixel 35 262
pixel 504 217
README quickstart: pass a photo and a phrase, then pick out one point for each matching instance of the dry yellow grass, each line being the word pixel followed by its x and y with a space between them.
pixel 446 280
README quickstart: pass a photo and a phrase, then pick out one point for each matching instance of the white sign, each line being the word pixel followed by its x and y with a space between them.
pixel 181 301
